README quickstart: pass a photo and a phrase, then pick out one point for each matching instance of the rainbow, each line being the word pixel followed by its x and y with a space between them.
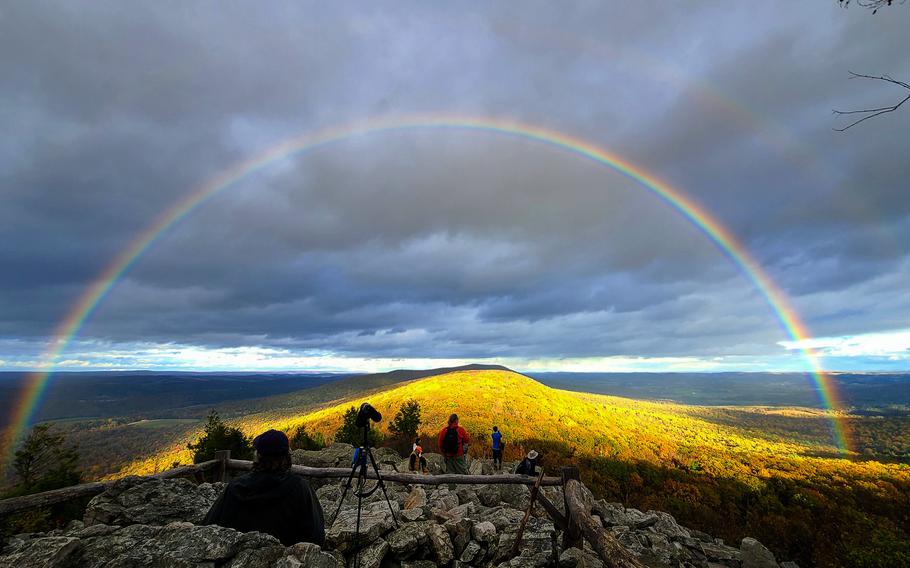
pixel 30 397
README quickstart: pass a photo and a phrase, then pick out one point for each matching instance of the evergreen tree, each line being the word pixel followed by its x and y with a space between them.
pixel 302 440
pixel 220 436
pixel 349 433
pixel 407 420
pixel 45 462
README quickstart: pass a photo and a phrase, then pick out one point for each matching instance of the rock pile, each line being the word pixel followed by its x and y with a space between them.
pixel 146 522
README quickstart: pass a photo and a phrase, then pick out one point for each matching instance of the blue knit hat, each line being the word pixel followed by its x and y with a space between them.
pixel 272 443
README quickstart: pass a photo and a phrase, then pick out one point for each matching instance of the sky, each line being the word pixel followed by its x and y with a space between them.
pixel 423 248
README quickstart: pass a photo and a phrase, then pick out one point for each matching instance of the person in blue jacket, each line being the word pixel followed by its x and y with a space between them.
pixel 497 448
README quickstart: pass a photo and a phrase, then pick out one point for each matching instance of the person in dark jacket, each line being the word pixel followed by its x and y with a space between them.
pixel 529 465
pixel 271 499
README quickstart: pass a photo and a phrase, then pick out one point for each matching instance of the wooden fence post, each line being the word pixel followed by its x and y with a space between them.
pixel 524 521
pixel 572 537
pixel 611 552
pixel 224 459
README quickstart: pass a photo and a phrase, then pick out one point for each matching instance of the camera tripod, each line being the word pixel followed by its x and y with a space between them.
pixel 360 468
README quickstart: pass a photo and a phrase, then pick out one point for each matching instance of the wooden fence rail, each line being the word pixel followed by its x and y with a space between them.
pixel 224 465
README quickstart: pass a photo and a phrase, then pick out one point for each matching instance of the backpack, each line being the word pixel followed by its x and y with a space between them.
pixel 450 441
pixel 412 462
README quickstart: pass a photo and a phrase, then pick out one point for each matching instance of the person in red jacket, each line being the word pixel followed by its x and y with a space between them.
pixel 453 443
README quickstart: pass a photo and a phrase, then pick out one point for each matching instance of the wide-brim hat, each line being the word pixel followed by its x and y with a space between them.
pixel 532 455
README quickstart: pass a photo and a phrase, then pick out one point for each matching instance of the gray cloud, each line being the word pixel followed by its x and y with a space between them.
pixel 450 244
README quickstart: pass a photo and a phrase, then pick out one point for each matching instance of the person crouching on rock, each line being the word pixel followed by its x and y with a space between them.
pixel 453 443
pixel 529 465
pixel 417 462
pixel 271 499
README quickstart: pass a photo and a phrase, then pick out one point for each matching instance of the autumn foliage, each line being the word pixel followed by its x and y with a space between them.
pixel 711 469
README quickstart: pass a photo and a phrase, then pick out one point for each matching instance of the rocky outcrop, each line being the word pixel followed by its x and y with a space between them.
pixel 147 501
pixel 150 522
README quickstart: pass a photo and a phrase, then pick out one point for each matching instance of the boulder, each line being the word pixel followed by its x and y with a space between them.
pixel 473 551
pixel 336 455
pixel 755 555
pixel 460 532
pixel 411 515
pixel 667 526
pixel 149 501
pixel 722 554
pixel 418 564
pixel 373 555
pixel 537 539
pixel 180 545
pixel 489 495
pixel 408 539
pixel 417 498
pixel 373 524
pixel 440 543
pixel 307 555
pixel 611 514
pixel 575 558
pixel 484 532
pixel 436 464
pixel 50 552
pixel 516 496
pixel 502 517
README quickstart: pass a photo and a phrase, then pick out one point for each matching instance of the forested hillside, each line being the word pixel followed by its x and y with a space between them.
pixel 728 479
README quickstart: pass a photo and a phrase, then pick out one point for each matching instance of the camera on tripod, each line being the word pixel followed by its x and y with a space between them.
pixel 366 414
pixel 363 458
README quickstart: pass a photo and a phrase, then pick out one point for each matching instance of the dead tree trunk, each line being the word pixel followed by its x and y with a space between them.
pixel 603 542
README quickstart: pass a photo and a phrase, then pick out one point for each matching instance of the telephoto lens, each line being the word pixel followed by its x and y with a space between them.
pixel 367 413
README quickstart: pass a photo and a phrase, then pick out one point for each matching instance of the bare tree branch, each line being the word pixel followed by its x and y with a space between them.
pixel 873 5
pixel 873 112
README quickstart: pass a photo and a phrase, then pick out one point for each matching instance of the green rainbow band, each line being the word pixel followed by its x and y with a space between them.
pixel 36 382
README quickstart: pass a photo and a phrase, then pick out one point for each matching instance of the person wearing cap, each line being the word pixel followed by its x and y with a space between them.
pixel 528 466
pixel 270 499
pixel 417 462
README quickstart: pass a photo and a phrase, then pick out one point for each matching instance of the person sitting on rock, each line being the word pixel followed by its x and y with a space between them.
pixel 453 443
pixel 528 466
pixel 271 499
pixel 417 462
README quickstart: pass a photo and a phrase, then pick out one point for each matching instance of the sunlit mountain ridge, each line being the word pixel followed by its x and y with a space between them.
pixel 716 470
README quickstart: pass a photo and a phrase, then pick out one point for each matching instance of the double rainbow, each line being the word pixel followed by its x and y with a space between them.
pixel 30 397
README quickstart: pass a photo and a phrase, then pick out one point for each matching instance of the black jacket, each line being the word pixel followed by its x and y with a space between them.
pixel 527 467
pixel 280 504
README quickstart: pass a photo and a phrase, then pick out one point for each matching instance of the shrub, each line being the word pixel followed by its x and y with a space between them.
pixel 220 436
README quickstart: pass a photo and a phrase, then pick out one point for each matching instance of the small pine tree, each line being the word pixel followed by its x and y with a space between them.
pixel 349 433
pixel 407 420
pixel 220 436
pixel 302 440
pixel 45 462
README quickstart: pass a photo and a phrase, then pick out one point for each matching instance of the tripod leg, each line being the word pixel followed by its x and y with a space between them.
pixel 347 487
pixel 381 485
pixel 361 480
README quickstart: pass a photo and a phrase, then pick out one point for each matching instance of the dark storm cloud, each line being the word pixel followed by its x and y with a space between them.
pixel 460 245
